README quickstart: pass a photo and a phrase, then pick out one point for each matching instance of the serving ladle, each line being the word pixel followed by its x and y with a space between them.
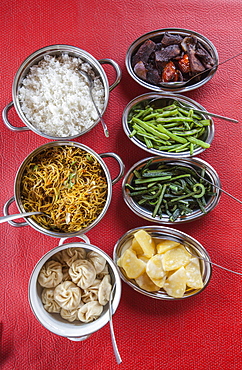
pixel 184 83
pixel 203 178
pixel 20 215
pixel 156 104
pixel 90 85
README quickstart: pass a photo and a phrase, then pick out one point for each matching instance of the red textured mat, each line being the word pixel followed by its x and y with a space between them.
pixel 199 333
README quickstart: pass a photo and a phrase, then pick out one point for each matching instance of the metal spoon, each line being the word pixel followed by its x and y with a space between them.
pixel 20 215
pixel 183 83
pixel 203 178
pixel 90 85
pixel 156 100
pixel 115 347
pixel 210 262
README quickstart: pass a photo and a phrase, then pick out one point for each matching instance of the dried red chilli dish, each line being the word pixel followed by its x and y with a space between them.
pixel 169 190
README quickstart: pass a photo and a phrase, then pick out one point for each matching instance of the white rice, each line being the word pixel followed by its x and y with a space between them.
pixel 55 97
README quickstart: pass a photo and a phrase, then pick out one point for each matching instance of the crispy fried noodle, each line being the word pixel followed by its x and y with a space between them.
pixel 66 183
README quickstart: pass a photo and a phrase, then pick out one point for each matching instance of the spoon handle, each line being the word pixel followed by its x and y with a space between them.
pixel 218 187
pixel 212 263
pixel 114 344
pixel 105 129
pixel 215 115
pixel 18 215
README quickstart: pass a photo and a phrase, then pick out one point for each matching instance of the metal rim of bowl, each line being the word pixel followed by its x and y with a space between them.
pixel 145 98
pixel 156 34
pixel 162 232
pixel 17 190
pixel 195 215
pixel 50 321
pixel 38 55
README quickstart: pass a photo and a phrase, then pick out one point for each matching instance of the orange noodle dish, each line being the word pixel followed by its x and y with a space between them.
pixel 68 184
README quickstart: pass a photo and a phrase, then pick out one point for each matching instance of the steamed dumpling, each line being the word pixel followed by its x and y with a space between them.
pixel 104 272
pixel 90 311
pixel 66 275
pixel 104 290
pixel 68 295
pixel 47 297
pixel 70 315
pixel 98 261
pixel 82 273
pixel 70 255
pixel 50 274
pixel 91 293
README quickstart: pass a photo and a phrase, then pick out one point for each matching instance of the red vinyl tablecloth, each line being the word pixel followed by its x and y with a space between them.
pixel 200 333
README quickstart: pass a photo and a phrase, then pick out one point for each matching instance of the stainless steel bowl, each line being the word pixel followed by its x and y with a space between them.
pixel 161 232
pixel 198 164
pixel 76 331
pixel 57 50
pixel 17 189
pixel 156 37
pixel 165 99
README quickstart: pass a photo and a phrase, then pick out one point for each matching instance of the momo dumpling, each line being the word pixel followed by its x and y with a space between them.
pixel 68 295
pixel 104 290
pixel 50 274
pixel 47 297
pixel 59 258
pixel 98 261
pixel 90 311
pixel 104 272
pixel 82 273
pixel 69 255
pixel 70 315
pixel 66 275
pixel 91 293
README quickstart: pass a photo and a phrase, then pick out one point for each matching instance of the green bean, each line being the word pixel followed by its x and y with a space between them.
pixel 171 135
pixel 168 126
pixel 150 128
pixel 198 142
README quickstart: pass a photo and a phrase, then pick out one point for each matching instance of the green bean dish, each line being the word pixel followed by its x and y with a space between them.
pixel 174 128
pixel 171 190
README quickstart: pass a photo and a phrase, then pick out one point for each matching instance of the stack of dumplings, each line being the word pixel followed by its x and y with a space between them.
pixel 76 284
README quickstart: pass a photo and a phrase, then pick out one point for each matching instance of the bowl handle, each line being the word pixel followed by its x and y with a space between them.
pixel 120 163
pixel 83 237
pixel 5 212
pixel 117 69
pixel 6 121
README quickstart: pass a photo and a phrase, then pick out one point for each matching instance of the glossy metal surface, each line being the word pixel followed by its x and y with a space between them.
pixel 156 36
pixel 167 98
pixel 110 182
pixel 197 163
pixel 161 232
pixel 58 50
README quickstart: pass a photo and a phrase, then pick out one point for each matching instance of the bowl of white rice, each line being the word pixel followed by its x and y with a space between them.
pixel 51 96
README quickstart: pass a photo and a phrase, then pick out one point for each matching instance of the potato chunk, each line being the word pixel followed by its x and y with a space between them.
pixel 175 285
pixel 133 266
pixel 135 246
pixel 194 278
pixel 155 271
pixel 166 245
pixel 146 242
pixel 175 258
pixel 144 282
